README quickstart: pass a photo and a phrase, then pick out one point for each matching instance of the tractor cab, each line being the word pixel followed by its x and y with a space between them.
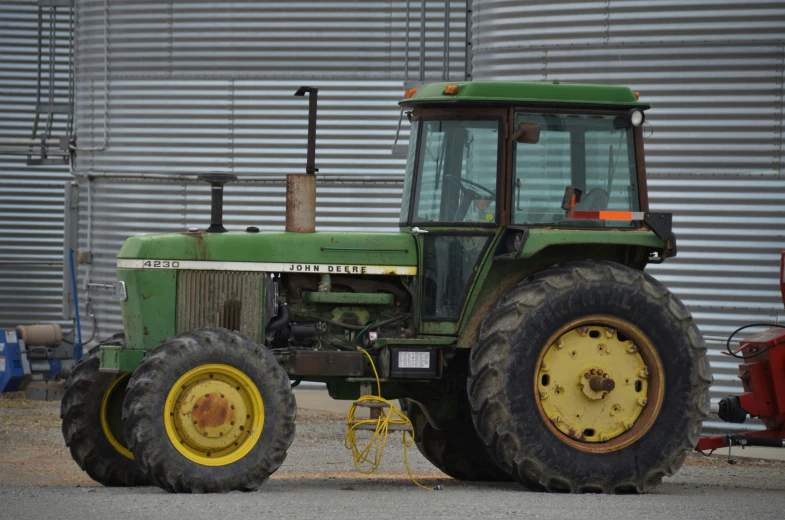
pixel 488 159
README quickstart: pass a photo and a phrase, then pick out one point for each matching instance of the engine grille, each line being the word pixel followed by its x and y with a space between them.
pixel 231 300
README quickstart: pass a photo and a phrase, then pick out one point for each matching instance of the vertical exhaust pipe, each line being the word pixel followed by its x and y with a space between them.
pixel 301 188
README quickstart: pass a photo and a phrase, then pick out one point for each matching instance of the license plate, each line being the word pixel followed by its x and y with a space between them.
pixel 414 360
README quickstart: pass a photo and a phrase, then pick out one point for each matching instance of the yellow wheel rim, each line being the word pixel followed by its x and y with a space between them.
pixel 105 401
pixel 214 415
pixel 599 384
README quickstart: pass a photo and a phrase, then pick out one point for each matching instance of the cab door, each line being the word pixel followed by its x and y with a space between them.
pixel 455 208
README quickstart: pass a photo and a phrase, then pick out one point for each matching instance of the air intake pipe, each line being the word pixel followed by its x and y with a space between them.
pixel 301 188
pixel 217 181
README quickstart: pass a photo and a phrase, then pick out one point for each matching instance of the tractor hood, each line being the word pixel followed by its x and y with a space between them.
pixel 292 249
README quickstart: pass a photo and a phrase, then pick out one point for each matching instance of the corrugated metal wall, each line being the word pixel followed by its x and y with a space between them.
pixel 714 74
pixel 31 198
pixel 202 86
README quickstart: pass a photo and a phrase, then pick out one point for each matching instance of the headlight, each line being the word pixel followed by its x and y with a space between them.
pixel 636 117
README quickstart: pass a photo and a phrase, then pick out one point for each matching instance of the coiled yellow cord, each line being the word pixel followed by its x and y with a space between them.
pixel 369 458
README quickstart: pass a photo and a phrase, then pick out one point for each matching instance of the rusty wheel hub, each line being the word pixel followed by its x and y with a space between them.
pixel 214 415
pixel 593 384
pixel 207 415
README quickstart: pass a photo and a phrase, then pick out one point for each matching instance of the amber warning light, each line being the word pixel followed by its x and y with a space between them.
pixel 450 90
pixel 410 92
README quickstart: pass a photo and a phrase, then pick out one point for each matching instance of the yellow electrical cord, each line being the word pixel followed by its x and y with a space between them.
pixel 363 461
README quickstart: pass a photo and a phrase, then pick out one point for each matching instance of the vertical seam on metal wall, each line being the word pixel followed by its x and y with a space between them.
pixel 779 105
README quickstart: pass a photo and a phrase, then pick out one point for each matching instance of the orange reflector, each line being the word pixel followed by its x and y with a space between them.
pixel 606 215
pixel 637 95
pixel 451 90
pixel 410 92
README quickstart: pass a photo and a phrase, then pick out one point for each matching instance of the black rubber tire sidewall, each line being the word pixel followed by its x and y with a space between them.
pixel 80 410
pixel 148 390
pixel 524 444
pixel 455 450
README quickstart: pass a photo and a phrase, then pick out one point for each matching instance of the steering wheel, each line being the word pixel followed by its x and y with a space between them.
pixel 460 181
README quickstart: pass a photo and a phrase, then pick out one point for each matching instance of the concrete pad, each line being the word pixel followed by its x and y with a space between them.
pixel 320 400
pixel 753 452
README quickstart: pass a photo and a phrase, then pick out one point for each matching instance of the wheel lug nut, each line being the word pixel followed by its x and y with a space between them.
pixel 583 331
pixel 587 375
pixel 610 332
pixel 544 366
pixel 543 395
pixel 629 426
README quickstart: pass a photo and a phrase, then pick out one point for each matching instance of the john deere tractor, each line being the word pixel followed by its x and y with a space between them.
pixel 511 313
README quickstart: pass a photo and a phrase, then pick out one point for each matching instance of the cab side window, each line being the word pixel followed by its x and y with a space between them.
pixel 593 153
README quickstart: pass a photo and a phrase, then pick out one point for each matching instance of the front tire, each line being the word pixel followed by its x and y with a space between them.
pixel 209 411
pixel 92 427
pixel 566 327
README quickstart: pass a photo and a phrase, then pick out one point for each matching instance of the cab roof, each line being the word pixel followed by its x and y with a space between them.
pixel 524 93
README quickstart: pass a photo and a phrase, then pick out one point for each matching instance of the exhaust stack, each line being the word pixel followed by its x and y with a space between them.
pixel 301 188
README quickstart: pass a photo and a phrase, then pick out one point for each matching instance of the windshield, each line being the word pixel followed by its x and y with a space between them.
pixel 457 172
pixel 593 153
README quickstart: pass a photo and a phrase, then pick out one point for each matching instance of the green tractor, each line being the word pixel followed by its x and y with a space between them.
pixel 511 313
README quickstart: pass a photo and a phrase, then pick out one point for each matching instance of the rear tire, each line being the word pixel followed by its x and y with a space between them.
pixel 508 399
pixel 209 411
pixel 105 458
pixel 456 450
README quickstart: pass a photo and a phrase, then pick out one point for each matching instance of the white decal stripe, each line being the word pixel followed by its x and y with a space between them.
pixel 266 267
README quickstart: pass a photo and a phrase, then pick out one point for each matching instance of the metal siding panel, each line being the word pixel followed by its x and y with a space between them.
pixel 208 86
pixel 31 198
pixel 714 75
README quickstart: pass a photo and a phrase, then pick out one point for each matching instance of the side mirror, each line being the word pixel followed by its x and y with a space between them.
pixel 527 133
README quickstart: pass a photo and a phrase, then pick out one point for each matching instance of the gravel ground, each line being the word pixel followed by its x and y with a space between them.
pixel 38 479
